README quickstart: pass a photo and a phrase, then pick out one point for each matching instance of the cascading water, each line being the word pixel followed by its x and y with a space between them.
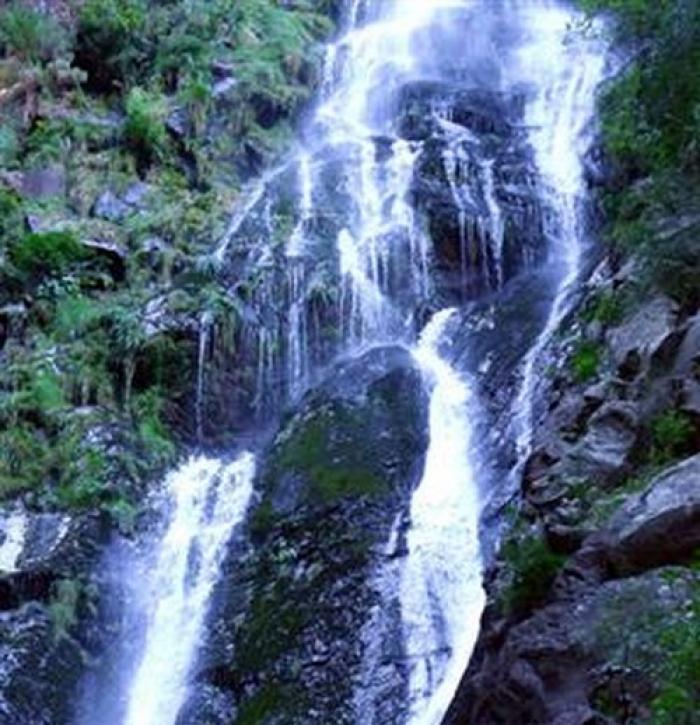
pixel 364 172
pixel 207 499
pixel 441 594
pixel 564 70
pixel 14 530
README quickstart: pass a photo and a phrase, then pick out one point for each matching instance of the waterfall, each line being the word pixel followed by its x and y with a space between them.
pixel 209 499
pixel 440 588
pixel 566 71
pixel 14 527
pixel 356 174
pixel 205 324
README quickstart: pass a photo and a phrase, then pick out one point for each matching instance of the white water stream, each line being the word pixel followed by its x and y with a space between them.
pixel 440 592
pixel 209 499
pixel 13 527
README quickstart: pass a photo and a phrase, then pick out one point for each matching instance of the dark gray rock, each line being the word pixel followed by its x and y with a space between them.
pixel 604 453
pixel 136 194
pixel 110 207
pixel 555 666
pixel 641 339
pixel 44 183
pixel 662 524
pixel 332 485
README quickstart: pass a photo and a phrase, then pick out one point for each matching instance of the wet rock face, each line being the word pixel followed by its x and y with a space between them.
pixel 473 160
pixel 48 625
pixel 590 650
pixel 360 433
pixel 661 525
pixel 336 478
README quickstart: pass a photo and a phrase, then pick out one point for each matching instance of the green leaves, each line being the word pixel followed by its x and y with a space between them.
pixel 144 131
pixel 29 35
pixel 47 253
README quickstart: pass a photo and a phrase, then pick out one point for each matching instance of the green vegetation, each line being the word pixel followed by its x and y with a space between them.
pixel 29 35
pixel 88 92
pixel 651 129
pixel 605 307
pixel 270 700
pixel 320 451
pixel 672 432
pixel 144 131
pixel 63 606
pixel 50 253
pixel 585 360
pixel 678 698
pixel 533 566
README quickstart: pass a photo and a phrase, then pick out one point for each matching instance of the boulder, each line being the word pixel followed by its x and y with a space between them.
pixel 332 486
pixel 605 451
pixel 110 207
pixel 362 432
pixel 560 663
pixel 661 525
pixel 688 359
pixel 44 183
pixel 643 338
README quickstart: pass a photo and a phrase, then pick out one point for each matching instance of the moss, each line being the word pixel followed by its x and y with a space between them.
pixel 261 644
pixel 271 700
pixel 585 361
pixel 328 451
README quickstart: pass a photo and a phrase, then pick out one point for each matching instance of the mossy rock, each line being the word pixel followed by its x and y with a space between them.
pixel 361 433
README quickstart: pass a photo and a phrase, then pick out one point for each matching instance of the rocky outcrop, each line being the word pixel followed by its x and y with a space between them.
pixel 334 481
pixel 662 524
pixel 474 184
pixel 49 621
pixel 577 628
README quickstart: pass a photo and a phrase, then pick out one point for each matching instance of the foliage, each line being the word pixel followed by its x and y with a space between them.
pixel 153 435
pixel 585 360
pixel 63 607
pixel 144 131
pixel 651 130
pixel 671 433
pixel 678 698
pixel 9 145
pixel 112 43
pixel 533 567
pixel 605 307
pixel 47 253
pixel 29 35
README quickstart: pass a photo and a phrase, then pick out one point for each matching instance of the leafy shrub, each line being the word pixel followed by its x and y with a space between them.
pixel 650 119
pixel 585 361
pixel 678 698
pixel 47 253
pixel 63 607
pixel 144 131
pixel 605 307
pixel 84 478
pixel 22 459
pixel 671 434
pixel 29 35
pixel 112 42
pixel 153 434
pixel 533 566
pixel 9 146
